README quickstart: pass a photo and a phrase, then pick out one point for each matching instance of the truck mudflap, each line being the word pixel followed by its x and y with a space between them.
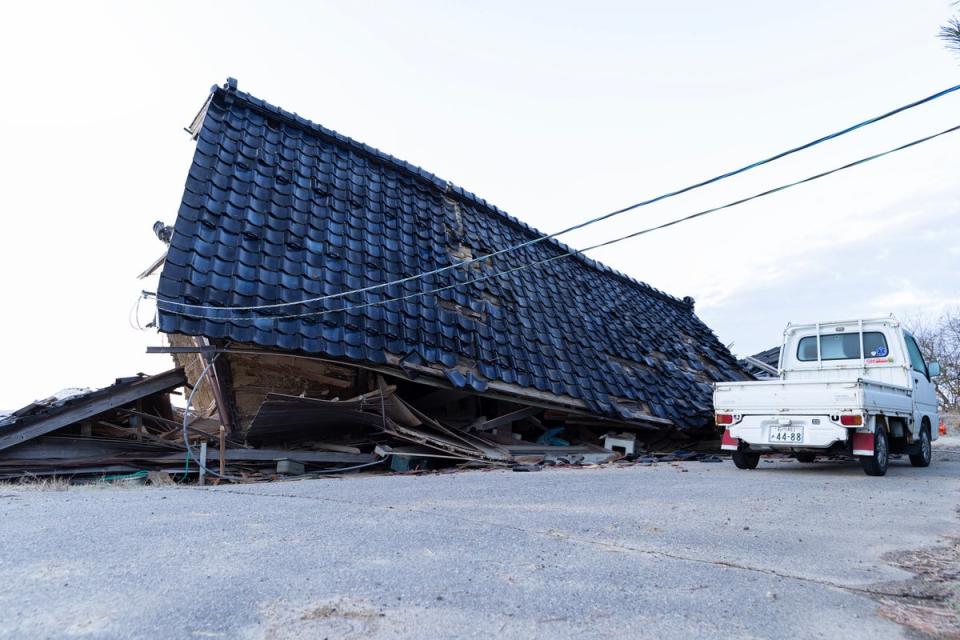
pixel 862 443
pixel 728 442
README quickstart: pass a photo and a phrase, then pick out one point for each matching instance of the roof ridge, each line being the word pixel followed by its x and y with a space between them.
pixel 230 91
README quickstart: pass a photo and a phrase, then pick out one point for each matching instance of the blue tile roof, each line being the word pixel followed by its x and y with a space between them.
pixel 279 209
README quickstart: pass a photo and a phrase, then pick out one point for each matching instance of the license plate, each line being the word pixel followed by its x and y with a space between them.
pixel 786 435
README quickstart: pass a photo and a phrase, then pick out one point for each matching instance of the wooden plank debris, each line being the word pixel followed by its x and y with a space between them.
pixel 292 413
pixel 507 419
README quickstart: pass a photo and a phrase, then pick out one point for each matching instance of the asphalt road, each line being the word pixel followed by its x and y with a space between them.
pixel 672 550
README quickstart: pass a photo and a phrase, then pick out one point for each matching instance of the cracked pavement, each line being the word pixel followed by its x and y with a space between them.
pixel 670 550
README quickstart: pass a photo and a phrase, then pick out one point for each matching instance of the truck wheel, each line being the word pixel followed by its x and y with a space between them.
pixel 806 457
pixel 922 457
pixel 876 465
pixel 746 460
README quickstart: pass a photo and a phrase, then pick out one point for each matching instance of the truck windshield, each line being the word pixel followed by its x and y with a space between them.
pixel 842 346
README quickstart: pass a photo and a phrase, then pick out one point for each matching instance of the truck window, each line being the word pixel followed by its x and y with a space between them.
pixel 842 346
pixel 916 358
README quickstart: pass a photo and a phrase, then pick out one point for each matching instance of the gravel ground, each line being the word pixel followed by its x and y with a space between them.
pixel 670 550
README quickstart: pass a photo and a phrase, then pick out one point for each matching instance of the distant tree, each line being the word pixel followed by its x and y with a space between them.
pixel 940 342
pixel 950 32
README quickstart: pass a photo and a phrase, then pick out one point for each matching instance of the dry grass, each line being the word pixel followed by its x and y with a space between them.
pixel 35 483
pixel 59 483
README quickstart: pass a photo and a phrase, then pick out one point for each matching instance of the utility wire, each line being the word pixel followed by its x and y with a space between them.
pixel 574 252
pixel 581 225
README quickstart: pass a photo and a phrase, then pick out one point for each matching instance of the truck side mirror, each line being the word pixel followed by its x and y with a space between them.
pixel 934 369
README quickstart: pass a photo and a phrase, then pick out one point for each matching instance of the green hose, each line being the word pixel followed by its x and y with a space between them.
pixel 126 476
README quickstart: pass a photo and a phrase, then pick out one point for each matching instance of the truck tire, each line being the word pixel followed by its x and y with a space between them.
pixel 876 465
pixel 922 458
pixel 745 459
pixel 806 457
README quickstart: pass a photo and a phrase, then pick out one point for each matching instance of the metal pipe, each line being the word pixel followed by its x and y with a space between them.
pixel 203 462
pixel 863 356
pixel 819 359
pixel 223 452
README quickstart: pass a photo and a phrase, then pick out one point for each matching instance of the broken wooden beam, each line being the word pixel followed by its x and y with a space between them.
pixel 509 418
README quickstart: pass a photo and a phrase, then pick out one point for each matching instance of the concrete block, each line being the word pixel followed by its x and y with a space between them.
pixel 625 443
pixel 290 468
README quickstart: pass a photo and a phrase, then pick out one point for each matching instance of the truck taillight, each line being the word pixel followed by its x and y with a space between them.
pixel 851 421
pixel 724 418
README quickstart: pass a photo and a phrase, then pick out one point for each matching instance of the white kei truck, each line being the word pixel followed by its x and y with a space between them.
pixel 859 388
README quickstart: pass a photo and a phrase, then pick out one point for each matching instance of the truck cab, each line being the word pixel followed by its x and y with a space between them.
pixel 860 388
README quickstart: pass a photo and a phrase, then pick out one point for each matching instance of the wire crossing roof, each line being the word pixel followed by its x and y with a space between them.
pixel 277 209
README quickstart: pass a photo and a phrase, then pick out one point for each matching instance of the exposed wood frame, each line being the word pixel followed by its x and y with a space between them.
pixel 217 375
pixel 435 378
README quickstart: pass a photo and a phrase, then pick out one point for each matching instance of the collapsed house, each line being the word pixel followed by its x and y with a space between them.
pixel 296 257
pixel 330 307
pixel 764 365
pixel 113 430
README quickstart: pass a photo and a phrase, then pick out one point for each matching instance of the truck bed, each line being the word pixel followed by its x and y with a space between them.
pixel 781 397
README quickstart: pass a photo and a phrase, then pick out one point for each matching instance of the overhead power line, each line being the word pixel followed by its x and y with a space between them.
pixel 568 254
pixel 581 225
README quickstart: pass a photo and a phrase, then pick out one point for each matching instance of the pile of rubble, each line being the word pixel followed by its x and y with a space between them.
pixel 131 429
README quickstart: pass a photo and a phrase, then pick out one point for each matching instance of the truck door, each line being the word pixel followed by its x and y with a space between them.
pixel 924 393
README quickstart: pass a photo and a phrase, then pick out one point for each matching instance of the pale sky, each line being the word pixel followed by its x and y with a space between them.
pixel 553 111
